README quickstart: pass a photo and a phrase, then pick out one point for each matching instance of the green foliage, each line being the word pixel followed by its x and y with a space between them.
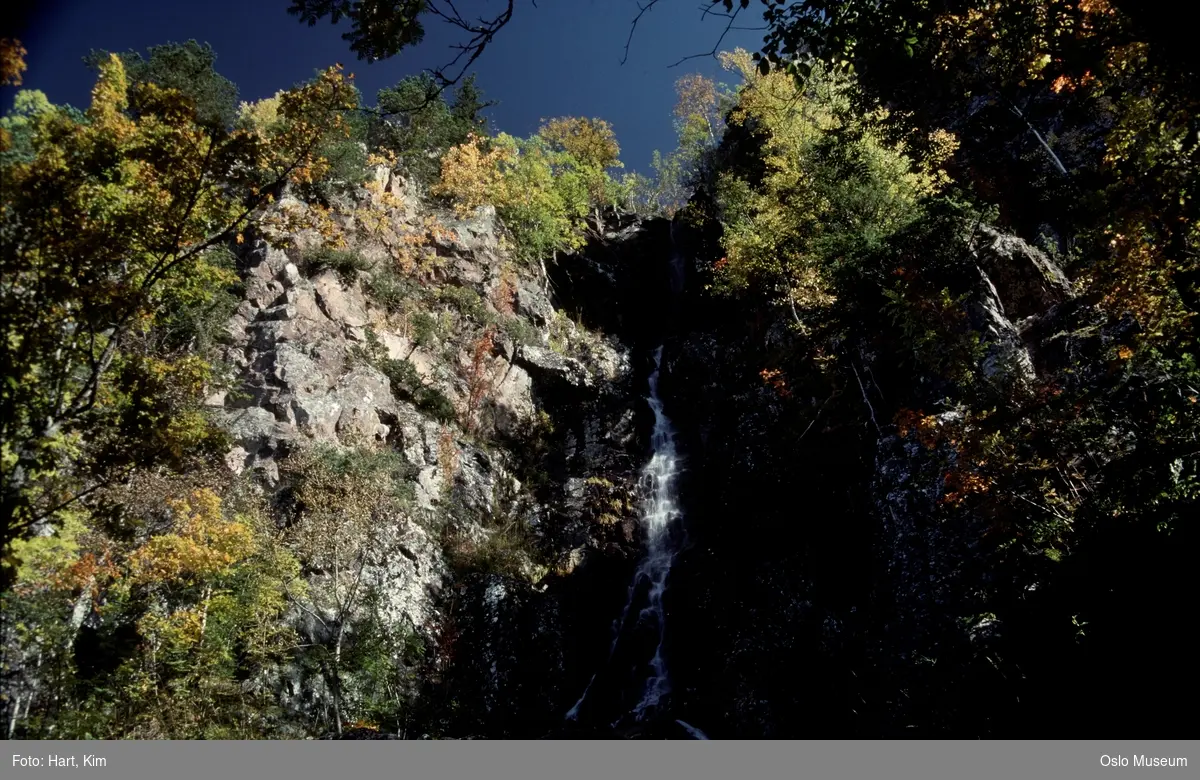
pixel 18 126
pixel 206 595
pixel 381 663
pixel 419 126
pixel 505 551
pixel 425 329
pixel 468 302
pixel 520 330
pixel 112 227
pixel 186 67
pixel 834 189
pixel 378 31
pixel 406 382
pixel 408 385
pixel 390 289
pixel 348 264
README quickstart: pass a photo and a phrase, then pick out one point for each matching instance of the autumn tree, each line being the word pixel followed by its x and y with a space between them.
pixel 833 187
pixel 414 121
pixel 348 507
pixel 699 119
pixel 539 192
pixel 12 62
pixel 592 146
pixel 206 595
pixel 141 206
pixel 188 68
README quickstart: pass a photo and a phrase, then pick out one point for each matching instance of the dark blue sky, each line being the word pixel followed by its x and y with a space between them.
pixel 559 58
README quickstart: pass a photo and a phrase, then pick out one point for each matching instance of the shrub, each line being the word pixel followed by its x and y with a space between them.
pixel 467 301
pixel 425 330
pixel 346 263
pixel 389 289
pixel 521 331
pixel 407 385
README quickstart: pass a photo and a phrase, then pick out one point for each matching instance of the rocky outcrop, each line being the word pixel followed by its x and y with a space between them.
pixel 1018 282
pixel 557 416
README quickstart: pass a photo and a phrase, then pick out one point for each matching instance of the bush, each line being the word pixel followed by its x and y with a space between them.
pixel 407 384
pixel 468 302
pixel 389 289
pixel 521 331
pixel 425 330
pixel 504 551
pixel 347 264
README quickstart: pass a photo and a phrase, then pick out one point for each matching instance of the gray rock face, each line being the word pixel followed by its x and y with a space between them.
pixel 1007 356
pixel 340 305
pixel 1026 280
pixel 1018 282
pixel 551 367
pixel 298 344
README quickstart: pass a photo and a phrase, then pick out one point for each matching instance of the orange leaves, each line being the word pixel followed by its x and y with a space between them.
pixel 479 380
pixel 447 455
pixel 1136 277
pixel 12 62
pixel 504 294
pixel 775 378
pixel 202 545
pixel 1065 83
pixel 926 427
pixel 959 485
pixel 292 127
pixel 961 480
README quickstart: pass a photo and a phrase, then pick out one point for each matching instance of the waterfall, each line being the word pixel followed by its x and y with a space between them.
pixel 659 515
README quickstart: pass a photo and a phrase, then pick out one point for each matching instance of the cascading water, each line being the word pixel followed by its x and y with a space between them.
pixel 660 513
pixel 660 516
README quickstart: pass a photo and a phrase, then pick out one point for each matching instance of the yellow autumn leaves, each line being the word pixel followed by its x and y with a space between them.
pixel 831 181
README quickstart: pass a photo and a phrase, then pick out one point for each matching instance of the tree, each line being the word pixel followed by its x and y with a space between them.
pixel 540 193
pixel 206 595
pixel 417 124
pixel 186 67
pixel 348 506
pixel 382 28
pixel 592 147
pixel 700 109
pixel 12 62
pixel 1117 174
pixel 110 225
pixel 833 188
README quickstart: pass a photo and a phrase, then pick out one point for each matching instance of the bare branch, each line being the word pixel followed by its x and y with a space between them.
pixel 642 9
pixel 482 32
pixel 716 47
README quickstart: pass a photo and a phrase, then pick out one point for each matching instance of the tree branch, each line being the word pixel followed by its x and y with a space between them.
pixel 642 9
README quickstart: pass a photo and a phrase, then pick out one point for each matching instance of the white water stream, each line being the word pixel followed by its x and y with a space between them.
pixel 660 513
